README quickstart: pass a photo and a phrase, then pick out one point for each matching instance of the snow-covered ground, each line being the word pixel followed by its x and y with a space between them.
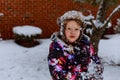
pixel 20 63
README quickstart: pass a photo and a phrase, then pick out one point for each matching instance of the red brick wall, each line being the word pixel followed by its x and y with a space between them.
pixel 40 13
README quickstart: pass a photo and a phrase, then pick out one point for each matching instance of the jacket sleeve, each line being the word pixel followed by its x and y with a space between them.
pixel 56 62
pixel 95 68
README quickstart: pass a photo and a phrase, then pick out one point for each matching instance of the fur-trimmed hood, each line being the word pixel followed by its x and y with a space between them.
pixel 57 37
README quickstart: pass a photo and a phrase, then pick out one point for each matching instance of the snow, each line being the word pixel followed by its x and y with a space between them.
pixel 89 17
pixel 116 9
pixel 27 30
pixel 21 63
pixel 111 45
pixel 1 14
pixel 118 21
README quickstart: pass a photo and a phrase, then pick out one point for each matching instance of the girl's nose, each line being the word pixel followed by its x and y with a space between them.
pixel 72 31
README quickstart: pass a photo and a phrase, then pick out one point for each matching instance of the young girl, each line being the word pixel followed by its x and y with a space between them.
pixel 71 56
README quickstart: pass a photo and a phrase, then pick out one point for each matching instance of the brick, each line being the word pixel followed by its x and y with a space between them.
pixel 41 13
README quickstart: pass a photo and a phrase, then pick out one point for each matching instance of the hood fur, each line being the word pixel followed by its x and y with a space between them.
pixel 57 37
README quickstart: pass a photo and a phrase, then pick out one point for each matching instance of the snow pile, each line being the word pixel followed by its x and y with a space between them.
pixel 109 49
pixel 27 30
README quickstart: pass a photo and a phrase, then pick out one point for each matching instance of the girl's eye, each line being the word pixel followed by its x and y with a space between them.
pixel 68 28
pixel 76 29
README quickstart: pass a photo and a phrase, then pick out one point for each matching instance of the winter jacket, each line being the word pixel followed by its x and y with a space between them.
pixel 76 61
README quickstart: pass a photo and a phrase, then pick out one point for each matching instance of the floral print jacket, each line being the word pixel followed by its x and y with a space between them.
pixel 74 62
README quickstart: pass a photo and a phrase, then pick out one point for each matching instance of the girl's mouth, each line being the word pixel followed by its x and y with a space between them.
pixel 72 36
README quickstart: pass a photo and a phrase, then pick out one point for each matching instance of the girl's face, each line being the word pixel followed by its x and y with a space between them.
pixel 72 31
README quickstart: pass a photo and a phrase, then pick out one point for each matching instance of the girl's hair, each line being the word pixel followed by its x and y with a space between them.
pixel 78 21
